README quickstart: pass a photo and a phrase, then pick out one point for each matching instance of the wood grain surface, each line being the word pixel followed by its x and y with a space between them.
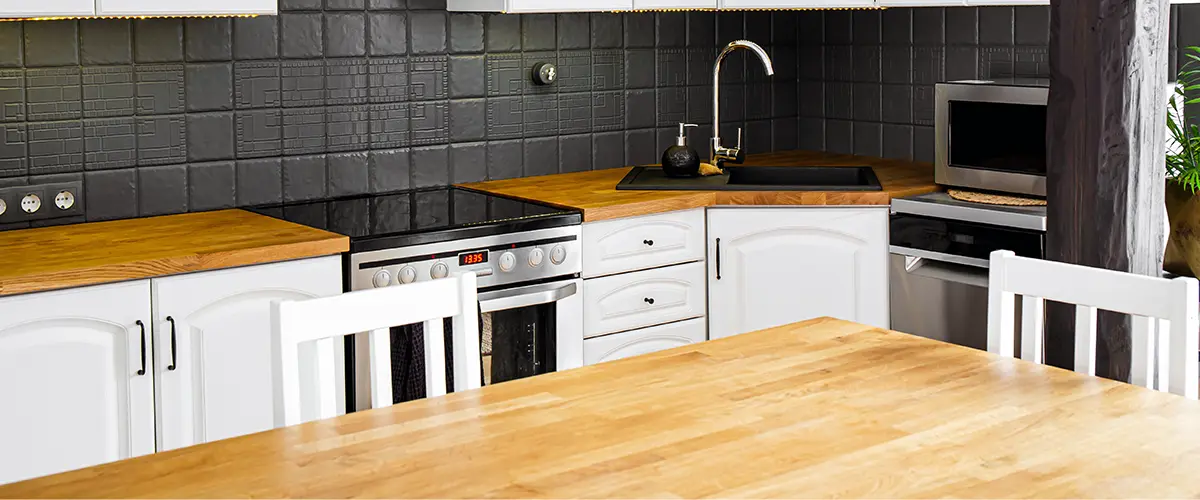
pixel 33 260
pixel 593 192
pixel 821 408
pixel 1105 149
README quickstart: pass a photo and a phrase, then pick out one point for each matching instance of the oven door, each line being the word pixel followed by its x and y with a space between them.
pixel 524 331
pixel 991 137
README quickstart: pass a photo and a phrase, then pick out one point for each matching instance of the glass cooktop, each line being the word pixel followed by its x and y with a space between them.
pixel 421 216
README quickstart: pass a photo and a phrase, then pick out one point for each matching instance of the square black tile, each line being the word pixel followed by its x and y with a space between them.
pixel 162 190
pixel 259 181
pixel 211 186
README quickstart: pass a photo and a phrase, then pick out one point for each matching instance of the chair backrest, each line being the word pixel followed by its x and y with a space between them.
pixel 1164 314
pixel 321 320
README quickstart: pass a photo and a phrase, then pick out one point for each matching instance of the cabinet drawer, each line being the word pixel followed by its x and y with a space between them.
pixel 633 243
pixel 643 341
pixel 645 298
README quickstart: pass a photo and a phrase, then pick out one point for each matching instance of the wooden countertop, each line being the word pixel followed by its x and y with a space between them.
pixel 821 408
pixel 593 192
pixel 33 260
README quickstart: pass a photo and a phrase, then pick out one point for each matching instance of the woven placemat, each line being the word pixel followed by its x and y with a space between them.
pixel 995 199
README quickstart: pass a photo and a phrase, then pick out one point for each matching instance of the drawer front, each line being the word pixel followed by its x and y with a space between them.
pixel 643 341
pixel 633 243
pixel 641 299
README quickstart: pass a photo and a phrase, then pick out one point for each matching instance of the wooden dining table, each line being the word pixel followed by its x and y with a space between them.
pixel 821 408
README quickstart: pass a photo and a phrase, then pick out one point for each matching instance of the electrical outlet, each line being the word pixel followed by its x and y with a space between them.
pixel 42 201
pixel 31 203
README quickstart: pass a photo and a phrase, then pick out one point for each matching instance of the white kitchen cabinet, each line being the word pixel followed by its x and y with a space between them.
pixel 920 3
pixel 793 4
pixel 70 387
pixel 533 6
pixel 184 8
pixel 674 4
pixel 1009 2
pixel 773 266
pixel 47 8
pixel 644 242
pixel 641 299
pixel 642 341
pixel 214 376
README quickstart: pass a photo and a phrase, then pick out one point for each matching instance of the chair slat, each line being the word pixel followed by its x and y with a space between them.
pixel 381 367
pixel 1141 348
pixel 1001 309
pixel 1185 341
pixel 1085 339
pixel 435 348
pixel 1032 317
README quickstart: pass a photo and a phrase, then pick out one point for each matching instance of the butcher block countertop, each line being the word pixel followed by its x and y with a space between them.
pixel 595 195
pixel 822 408
pixel 34 260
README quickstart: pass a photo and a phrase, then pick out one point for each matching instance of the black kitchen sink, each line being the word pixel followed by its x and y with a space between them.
pixel 759 178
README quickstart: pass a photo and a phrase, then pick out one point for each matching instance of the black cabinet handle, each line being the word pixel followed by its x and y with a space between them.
pixel 718 258
pixel 649 300
pixel 142 326
pixel 172 366
pixel 648 242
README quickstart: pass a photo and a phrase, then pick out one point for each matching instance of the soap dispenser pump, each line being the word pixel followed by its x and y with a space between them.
pixel 680 160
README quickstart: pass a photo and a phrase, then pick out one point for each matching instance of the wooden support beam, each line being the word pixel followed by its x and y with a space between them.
pixel 1105 134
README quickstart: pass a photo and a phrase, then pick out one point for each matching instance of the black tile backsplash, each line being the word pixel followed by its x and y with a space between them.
pixel 341 97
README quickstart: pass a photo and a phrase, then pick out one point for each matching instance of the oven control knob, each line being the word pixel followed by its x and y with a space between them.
pixel 382 279
pixel 535 257
pixel 406 275
pixel 507 261
pixel 439 271
pixel 558 254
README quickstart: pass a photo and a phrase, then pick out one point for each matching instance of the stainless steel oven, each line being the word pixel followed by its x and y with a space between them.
pixel 991 135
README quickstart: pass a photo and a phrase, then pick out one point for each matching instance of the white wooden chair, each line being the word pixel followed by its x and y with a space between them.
pixel 1164 313
pixel 321 320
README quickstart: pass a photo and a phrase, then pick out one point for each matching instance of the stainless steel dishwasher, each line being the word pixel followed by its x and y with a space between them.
pixel 939 262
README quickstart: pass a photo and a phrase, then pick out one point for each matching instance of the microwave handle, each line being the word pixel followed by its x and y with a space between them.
pixel 500 300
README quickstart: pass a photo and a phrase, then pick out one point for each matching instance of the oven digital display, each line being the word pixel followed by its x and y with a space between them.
pixel 476 257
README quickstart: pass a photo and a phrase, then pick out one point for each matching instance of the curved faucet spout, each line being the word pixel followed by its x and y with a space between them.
pixel 717 153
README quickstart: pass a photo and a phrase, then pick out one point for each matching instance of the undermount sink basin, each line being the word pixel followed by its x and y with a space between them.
pixel 758 178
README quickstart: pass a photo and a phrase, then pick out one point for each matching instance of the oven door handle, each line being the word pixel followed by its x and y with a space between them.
pixel 532 295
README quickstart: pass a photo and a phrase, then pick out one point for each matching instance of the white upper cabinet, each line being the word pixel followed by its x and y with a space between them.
pixel 792 4
pixel 184 7
pixel 773 266
pixel 47 8
pixel 213 345
pixel 674 4
pixel 530 6
pixel 76 391
pixel 88 8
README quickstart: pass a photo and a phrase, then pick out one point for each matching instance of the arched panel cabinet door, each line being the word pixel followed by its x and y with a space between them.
pixel 220 384
pixel 774 266
pixel 72 395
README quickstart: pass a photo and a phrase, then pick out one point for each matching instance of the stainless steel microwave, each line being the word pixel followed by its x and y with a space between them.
pixel 991 135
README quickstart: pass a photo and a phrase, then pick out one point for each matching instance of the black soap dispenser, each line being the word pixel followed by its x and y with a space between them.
pixel 680 160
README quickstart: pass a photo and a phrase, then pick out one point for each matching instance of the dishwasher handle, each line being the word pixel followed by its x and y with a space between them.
pixel 532 295
pixel 944 267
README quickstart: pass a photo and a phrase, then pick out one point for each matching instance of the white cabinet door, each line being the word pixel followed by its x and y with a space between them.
pixel 47 8
pixel 220 386
pixel 633 243
pixel 70 391
pixel 643 341
pixel 641 299
pixel 184 7
pixel 1010 2
pixel 774 266
pixel 530 6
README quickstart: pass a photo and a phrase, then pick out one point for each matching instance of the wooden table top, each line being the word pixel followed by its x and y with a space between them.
pixel 49 258
pixel 595 195
pixel 814 409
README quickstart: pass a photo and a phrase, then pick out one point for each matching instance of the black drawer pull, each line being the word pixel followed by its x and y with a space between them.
pixel 172 366
pixel 142 326
pixel 648 243
pixel 649 300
